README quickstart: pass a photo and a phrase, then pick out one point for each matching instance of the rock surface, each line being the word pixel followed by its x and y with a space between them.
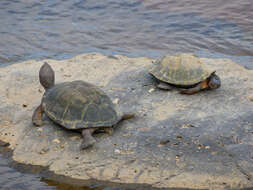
pixel 203 141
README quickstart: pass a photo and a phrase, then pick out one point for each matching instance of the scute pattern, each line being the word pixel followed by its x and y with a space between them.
pixel 78 104
pixel 185 69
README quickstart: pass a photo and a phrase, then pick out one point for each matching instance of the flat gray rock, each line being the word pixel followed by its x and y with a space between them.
pixel 202 141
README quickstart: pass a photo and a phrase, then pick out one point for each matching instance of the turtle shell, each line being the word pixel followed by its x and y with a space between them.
pixel 184 69
pixel 78 104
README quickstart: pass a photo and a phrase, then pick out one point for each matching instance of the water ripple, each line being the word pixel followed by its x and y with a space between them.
pixel 134 28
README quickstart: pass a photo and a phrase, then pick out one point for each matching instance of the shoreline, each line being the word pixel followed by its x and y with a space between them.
pixel 209 155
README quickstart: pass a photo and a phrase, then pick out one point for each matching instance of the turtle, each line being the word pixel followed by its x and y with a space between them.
pixel 76 105
pixel 184 71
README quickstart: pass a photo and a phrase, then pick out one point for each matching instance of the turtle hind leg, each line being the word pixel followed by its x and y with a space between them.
pixel 193 90
pixel 37 116
pixel 109 130
pixel 164 86
pixel 121 117
pixel 88 139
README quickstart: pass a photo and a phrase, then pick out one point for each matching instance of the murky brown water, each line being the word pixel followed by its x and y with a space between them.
pixel 60 29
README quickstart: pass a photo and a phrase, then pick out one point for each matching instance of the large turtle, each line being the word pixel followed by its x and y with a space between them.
pixel 184 71
pixel 76 105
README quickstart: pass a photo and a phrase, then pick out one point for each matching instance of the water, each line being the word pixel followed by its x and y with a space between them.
pixel 11 179
pixel 61 29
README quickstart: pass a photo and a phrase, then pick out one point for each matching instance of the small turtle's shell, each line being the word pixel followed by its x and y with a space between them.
pixel 78 104
pixel 184 69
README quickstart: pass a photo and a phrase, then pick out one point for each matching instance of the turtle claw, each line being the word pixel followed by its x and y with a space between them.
pixel 87 144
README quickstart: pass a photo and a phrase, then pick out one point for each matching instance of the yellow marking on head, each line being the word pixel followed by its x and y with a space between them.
pixel 204 84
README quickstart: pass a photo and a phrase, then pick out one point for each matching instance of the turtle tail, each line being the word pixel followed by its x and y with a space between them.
pixel 46 76
pixel 127 116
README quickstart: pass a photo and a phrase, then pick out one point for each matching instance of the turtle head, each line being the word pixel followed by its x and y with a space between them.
pixel 46 76
pixel 214 81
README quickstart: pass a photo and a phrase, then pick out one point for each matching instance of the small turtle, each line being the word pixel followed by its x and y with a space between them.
pixel 76 105
pixel 184 71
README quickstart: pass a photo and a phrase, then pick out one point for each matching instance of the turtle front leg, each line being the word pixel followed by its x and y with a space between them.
pixel 192 90
pixel 37 116
pixel 164 86
pixel 88 139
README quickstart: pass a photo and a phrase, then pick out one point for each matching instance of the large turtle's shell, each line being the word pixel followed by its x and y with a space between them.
pixel 78 104
pixel 184 69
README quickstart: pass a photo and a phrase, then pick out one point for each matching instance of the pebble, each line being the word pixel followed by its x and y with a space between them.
pixel 151 90
pixel 117 151
pixel 116 101
pixel 44 150
pixel 40 129
pixel 56 141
